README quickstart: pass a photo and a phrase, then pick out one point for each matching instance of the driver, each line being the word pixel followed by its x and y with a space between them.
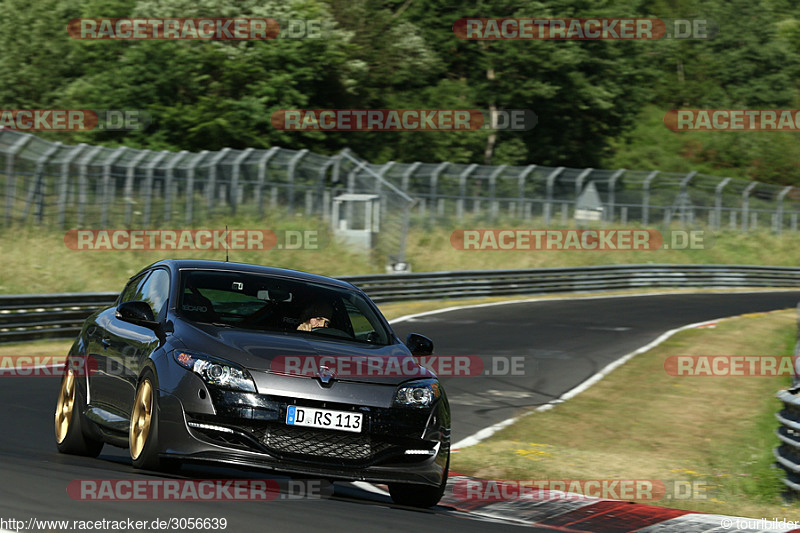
pixel 316 315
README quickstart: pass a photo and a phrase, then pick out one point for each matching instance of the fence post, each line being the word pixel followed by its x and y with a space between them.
pixel 11 185
pixel 237 163
pixel 434 185
pixel 779 213
pixel 684 195
pixel 148 185
pixel 379 185
pixel 107 164
pixel 63 182
pixel 746 204
pixel 462 189
pixel 82 200
pixel 612 184
pixel 190 185
pixel 646 197
pixel 525 211
pixel 129 176
pixel 322 192
pixel 212 177
pixel 169 176
pixel 493 203
pixel 290 174
pixel 337 165
pixel 550 181
pixel 580 179
pixel 262 176
pixel 406 179
pixel 718 202
pixel 351 183
pixel 36 198
pixel 579 183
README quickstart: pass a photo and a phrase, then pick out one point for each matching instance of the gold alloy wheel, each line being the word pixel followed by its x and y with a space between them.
pixel 66 401
pixel 141 419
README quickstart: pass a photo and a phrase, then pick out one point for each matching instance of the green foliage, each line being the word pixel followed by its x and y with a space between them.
pixel 599 103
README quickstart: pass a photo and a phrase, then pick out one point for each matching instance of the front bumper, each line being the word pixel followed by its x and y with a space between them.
pixel 249 430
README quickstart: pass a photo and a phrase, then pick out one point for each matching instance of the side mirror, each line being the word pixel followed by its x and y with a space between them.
pixel 138 313
pixel 419 344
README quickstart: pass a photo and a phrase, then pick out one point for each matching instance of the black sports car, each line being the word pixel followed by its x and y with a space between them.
pixel 184 368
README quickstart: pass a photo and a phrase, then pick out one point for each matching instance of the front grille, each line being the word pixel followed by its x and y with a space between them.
pixel 321 443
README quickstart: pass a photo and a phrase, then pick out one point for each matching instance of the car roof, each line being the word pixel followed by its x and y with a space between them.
pixel 230 266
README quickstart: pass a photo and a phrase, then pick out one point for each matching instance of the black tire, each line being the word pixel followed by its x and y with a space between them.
pixel 148 457
pixel 75 439
pixel 422 496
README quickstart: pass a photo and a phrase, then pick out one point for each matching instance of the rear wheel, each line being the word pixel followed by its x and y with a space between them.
pixel 70 425
pixel 423 496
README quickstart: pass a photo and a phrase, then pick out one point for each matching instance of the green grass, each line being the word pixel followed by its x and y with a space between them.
pixel 36 260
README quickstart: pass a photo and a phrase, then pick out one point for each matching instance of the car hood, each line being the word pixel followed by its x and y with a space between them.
pixel 301 355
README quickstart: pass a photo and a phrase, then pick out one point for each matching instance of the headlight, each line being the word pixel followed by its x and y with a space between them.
pixel 216 371
pixel 420 393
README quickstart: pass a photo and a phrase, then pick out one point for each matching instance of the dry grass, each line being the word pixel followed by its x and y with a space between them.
pixel 36 260
pixel 57 348
pixel 640 423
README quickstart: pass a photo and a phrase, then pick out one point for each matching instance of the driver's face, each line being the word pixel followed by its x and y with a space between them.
pixel 319 322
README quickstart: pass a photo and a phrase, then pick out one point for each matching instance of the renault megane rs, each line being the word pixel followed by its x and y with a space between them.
pixel 189 365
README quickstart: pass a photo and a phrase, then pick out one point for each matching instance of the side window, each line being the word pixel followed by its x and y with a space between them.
pixel 155 291
pixel 362 328
pixel 134 290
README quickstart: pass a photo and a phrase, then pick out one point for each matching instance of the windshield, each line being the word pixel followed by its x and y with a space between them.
pixel 278 305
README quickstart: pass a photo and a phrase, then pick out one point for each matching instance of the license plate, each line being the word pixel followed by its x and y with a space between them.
pixel 324 418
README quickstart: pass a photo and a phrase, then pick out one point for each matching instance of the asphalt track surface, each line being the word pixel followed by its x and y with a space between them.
pixel 563 342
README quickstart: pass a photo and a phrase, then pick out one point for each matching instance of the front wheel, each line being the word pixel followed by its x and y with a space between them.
pixel 423 496
pixel 143 430
pixel 70 425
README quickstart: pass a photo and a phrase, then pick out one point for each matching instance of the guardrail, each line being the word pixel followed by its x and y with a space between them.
pixel 434 285
pixel 25 317
pixel 40 316
pixel 788 453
